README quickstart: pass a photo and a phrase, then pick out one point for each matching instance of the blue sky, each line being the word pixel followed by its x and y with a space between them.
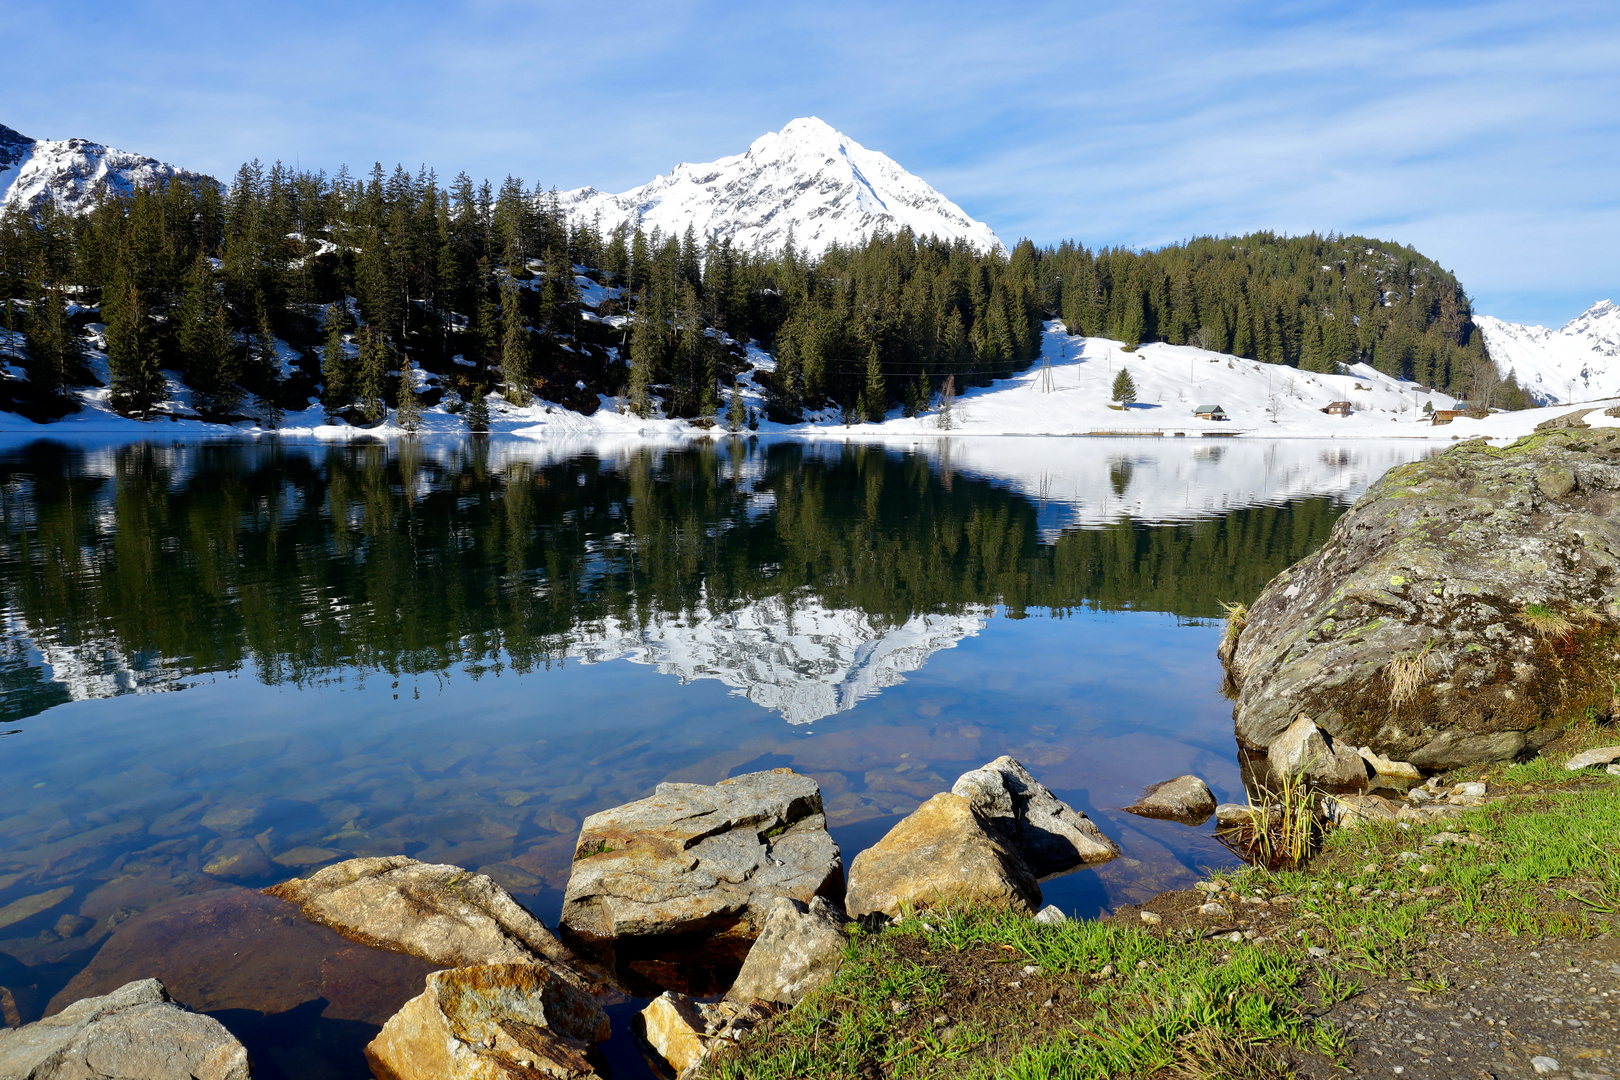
pixel 1485 134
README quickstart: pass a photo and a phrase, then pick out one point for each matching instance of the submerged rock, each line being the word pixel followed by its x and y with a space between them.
pixel 1458 612
pixel 945 854
pixel 441 913
pixel 800 948
pixel 1052 836
pixel 1186 799
pixel 491 1021
pixel 675 887
pixel 137 1032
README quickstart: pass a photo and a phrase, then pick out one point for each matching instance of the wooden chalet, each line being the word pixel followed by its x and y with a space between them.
pixel 1210 412
pixel 1338 408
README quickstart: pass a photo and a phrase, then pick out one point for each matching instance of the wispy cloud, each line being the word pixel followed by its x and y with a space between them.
pixel 1483 133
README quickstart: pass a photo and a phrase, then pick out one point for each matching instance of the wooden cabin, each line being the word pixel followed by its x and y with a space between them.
pixel 1338 408
pixel 1210 412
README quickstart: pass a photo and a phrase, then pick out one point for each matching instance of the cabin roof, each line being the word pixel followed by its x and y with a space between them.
pixel 1208 408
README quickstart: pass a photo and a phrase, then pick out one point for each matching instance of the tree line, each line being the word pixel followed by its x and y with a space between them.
pixel 394 292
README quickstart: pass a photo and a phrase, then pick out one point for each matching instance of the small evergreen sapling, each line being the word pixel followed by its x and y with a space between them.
pixel 478 414
pixel 1124 388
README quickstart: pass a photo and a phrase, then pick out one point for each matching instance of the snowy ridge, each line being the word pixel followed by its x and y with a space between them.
pixel 1578 361
pixel 66 172
pixel 807 179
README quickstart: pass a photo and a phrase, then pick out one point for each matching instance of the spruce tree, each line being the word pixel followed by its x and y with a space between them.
pixel 137 381
pixel 1124 387
pixel 337 367
pixel 409 413
pixel 875 394
pixel 514 344
pixel 373 373
pixel 267 377
pixel 737 414
pixel 478 414
pixel 54 349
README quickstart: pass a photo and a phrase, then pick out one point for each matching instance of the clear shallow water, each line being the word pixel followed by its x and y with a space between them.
pixel 229 663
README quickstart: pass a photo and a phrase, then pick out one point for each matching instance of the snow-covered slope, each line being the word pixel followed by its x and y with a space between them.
pixel 808 178
pixel 1579 361
pixel 66 171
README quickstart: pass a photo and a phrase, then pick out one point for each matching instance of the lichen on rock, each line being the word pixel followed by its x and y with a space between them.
pixel 1459 612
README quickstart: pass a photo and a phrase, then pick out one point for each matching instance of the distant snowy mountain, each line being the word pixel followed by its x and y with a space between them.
pixel 808 178
pixel 1579 361
pixel 66 171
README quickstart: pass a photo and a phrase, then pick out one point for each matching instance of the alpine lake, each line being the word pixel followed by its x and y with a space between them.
pixel 227 663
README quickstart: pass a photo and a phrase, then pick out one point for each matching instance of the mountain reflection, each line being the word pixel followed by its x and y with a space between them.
pixel 802 575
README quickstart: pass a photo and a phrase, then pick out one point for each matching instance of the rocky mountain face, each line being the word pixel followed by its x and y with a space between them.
pixel 66 172
pixel 1579 361
pixel 1459 613
pixel 807 179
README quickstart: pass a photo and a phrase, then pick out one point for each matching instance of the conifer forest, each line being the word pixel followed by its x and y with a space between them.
pixel 290 286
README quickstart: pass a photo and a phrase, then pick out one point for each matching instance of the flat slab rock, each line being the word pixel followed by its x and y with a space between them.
pixel 1603 755
pixel 801 947
pixel 134 1033
pixel 441 913
pixel 489 1022
pixel 702 862
pixel 1457 613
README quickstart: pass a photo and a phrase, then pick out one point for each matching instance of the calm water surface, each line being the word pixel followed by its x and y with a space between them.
pixel 228 663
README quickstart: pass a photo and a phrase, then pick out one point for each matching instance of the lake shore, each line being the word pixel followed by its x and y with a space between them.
pixel 1482 945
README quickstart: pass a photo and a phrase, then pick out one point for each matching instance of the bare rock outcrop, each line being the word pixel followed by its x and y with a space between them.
pixel 520 1021
pixel 685 1033
pixel 674 888
pixel 1458 612
pixel 944 854
pixel 441 913
pixel 1052 836
pixel 134 1033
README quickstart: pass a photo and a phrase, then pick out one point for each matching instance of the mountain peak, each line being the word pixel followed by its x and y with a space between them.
pixel 808 180
pixel 69 172
pixel 1579 361
pixel 10 137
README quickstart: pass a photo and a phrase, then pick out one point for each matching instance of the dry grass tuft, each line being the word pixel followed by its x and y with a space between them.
pixel 1544 621
pixel 1211 1054
pixel 1237 618
pixel 1407 674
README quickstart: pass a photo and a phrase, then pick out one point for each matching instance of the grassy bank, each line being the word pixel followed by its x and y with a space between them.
pixel 1240 992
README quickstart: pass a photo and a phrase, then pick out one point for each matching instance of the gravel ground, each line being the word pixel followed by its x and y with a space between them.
pixel 1510 1009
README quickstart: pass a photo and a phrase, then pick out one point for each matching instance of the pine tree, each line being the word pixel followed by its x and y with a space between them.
pixel 947 404
pixel 1124 387
pixel 645 348
pixel 54 349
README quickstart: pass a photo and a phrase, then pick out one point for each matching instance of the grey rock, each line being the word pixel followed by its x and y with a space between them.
pixel 1051 835
pixel 695 859
pixel 1603 755
pixel 1229 815
pixel 1186 799
pixel 134 1033
pixel 1052 915
pixel 800 948
pixel 441 913
pixel 1352 811
pixel 1306 750
pixel 1476 583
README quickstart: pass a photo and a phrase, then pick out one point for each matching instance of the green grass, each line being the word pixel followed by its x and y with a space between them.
pixel 1143 1002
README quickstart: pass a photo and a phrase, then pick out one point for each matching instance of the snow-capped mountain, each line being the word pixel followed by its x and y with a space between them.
pixel 808 178
pixel 1579 361
pixel 804 662
pixel 66 171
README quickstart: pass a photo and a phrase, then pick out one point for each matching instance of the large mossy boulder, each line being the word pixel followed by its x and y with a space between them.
pixel 1460 612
